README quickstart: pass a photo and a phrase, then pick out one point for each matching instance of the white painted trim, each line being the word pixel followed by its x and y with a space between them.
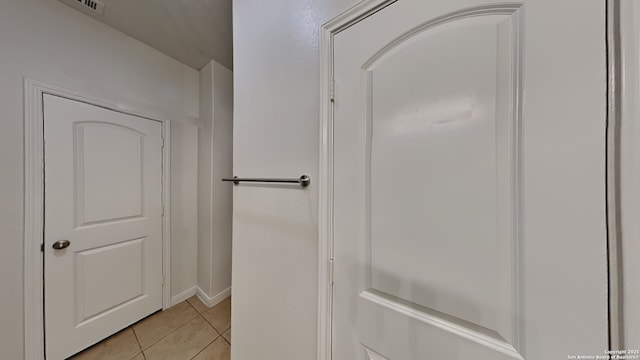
pixel 166 215
pixel 626 87
pixel 33 223
pixel 34 203
pixel 325 229
pixel 435 319
pixel 613 175
pixel 215 300
pixel 183 296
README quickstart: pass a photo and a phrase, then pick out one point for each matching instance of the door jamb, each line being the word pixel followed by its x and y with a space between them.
pixel 613 201
pixel 616 94
pixel 34 204
pixel 623 155
pixel 325 230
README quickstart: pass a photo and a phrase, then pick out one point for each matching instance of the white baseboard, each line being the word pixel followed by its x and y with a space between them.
pixel 213 301
pixel 183 296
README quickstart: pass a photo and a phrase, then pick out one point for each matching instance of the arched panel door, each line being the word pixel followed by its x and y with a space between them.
pixel 103 223
pixel 469 194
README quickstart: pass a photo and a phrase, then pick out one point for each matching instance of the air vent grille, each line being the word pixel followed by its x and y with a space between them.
pixel 93 5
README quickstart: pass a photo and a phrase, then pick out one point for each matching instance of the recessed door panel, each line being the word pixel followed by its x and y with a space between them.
pixel 97 290
pixel 437 240
pixel 110 183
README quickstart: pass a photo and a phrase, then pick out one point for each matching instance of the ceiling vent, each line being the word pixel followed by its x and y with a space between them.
pixel 91 5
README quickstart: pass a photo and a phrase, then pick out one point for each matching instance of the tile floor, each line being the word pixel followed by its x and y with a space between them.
pixel 186 331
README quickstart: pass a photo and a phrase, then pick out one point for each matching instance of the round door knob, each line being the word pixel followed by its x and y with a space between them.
pixel 61 244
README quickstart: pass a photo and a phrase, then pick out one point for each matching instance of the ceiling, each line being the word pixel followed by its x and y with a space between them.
pixel 191 31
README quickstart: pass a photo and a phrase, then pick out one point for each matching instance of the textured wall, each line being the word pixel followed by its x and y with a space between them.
pixel 276 134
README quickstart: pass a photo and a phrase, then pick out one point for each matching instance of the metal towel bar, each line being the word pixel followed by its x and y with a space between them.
pixel 303 180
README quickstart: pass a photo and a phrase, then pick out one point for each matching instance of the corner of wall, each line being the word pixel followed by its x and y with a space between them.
pixel 215 197
pixel 211 301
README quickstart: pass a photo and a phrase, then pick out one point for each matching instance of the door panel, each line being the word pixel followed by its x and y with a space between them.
pixel 103 193
pixel 452 219
pixel 122 165
pixel 95 287
pixel 444 134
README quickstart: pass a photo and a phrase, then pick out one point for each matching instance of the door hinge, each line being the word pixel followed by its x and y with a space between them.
pixel 42 247
pixel 162 211
pixel 331 272
pixel 332 90
pixel 162 280
pixel 163 142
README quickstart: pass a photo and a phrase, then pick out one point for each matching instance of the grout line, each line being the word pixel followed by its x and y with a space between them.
pixel 224 331
pixel 138 341
pixel 205 319
pixel 227 340
pixel 136 336
pixel 171 332
pixel 136 355
pixel 193 307
pixel 206 308
pixel 211 325
pixel 205 348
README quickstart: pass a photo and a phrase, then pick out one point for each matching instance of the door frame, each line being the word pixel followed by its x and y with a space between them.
pixel 615 94
pixel 34 91
pixel 325 193
pixel 625 130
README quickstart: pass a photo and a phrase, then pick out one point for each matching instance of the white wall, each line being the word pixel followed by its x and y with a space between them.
pixel 276 133
pixel 205 177
pixel 214 197
pixel 184 209
pixel 47 41
pixel 222 167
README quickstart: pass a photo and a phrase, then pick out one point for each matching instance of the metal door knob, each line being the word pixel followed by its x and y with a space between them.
pixel 61 244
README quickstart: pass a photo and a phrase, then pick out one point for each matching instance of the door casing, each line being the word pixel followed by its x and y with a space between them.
pixel 615 93
pixel 34 91
pixel 625 169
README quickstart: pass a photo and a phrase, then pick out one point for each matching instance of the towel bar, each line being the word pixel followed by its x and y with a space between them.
pixel 303 180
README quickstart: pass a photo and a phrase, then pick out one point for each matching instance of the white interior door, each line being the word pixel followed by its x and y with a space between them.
pixel 103 195
pixel 469 181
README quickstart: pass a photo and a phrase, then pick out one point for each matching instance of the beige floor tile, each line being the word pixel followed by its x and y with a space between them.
pixel 220 315
pixel 227 335
pixel 197 304
pixel 217 350
pixel 139 357
pixel 184 343
pixel 120 346
pixel 161 324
